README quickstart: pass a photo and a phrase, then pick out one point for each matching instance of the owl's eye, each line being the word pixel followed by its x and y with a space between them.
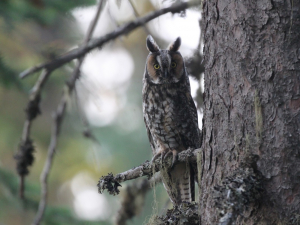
pixel 156 66
pixel 173 64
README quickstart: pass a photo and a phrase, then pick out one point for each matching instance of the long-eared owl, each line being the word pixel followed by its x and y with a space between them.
pixel 170 116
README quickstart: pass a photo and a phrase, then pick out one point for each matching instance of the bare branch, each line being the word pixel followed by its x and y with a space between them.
pixel 24 157
pixel 137 16
pixel 97 43
pixel 58 119
pixel 111 183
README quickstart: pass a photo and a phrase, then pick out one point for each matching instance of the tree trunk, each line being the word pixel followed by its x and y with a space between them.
pixel 251 108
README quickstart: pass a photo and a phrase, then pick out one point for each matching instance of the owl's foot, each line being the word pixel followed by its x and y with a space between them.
pixel 164 154
pixel 175 156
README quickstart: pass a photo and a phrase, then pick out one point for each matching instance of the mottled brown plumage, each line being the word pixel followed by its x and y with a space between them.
pixel 170 116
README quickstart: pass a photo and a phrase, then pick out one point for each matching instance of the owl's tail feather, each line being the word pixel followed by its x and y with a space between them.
pixel 192 182
pixel 180 183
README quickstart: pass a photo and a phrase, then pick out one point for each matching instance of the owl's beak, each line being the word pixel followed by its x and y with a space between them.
pixel 166 73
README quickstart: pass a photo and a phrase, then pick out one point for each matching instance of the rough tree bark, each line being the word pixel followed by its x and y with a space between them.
pixel 251 108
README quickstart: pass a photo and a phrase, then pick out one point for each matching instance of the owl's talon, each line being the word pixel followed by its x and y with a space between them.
pixel 167 154
pixel 164 154
pixel 155 157
pixel 175 157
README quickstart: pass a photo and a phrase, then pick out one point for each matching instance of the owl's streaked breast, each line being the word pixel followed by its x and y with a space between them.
pixel 165 115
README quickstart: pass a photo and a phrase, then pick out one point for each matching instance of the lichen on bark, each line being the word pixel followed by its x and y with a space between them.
pixel 252 103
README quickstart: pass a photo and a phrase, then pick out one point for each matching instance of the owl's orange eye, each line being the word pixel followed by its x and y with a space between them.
pixel 173 64
pixel 156 66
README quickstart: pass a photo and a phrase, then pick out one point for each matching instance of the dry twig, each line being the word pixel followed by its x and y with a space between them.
pixel 24 157
pixel 58 118
pixel 111 183
pixel 98 42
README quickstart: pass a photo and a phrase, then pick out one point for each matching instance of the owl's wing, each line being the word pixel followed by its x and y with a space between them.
pixel 193 108
pixel 146 120
pixel 194 136
pixel 150 138
pixel 194 116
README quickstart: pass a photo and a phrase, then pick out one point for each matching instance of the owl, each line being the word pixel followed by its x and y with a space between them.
pixel 170 116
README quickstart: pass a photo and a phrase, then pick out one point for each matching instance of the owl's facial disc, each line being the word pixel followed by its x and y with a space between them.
pixel 165 67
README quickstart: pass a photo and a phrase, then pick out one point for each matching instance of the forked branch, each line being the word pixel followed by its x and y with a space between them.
pixel 25 157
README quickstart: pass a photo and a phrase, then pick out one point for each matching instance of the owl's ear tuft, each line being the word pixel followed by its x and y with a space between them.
pixel 175 45
pixel 151 44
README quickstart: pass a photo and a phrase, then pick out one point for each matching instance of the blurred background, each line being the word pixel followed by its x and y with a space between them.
pixel 108 97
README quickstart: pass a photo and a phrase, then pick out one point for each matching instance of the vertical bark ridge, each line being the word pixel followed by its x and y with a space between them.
pixel 252 102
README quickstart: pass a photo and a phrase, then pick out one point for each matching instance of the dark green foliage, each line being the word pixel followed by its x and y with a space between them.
pixel 44 12
pixel 10 181
pixel 8 77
